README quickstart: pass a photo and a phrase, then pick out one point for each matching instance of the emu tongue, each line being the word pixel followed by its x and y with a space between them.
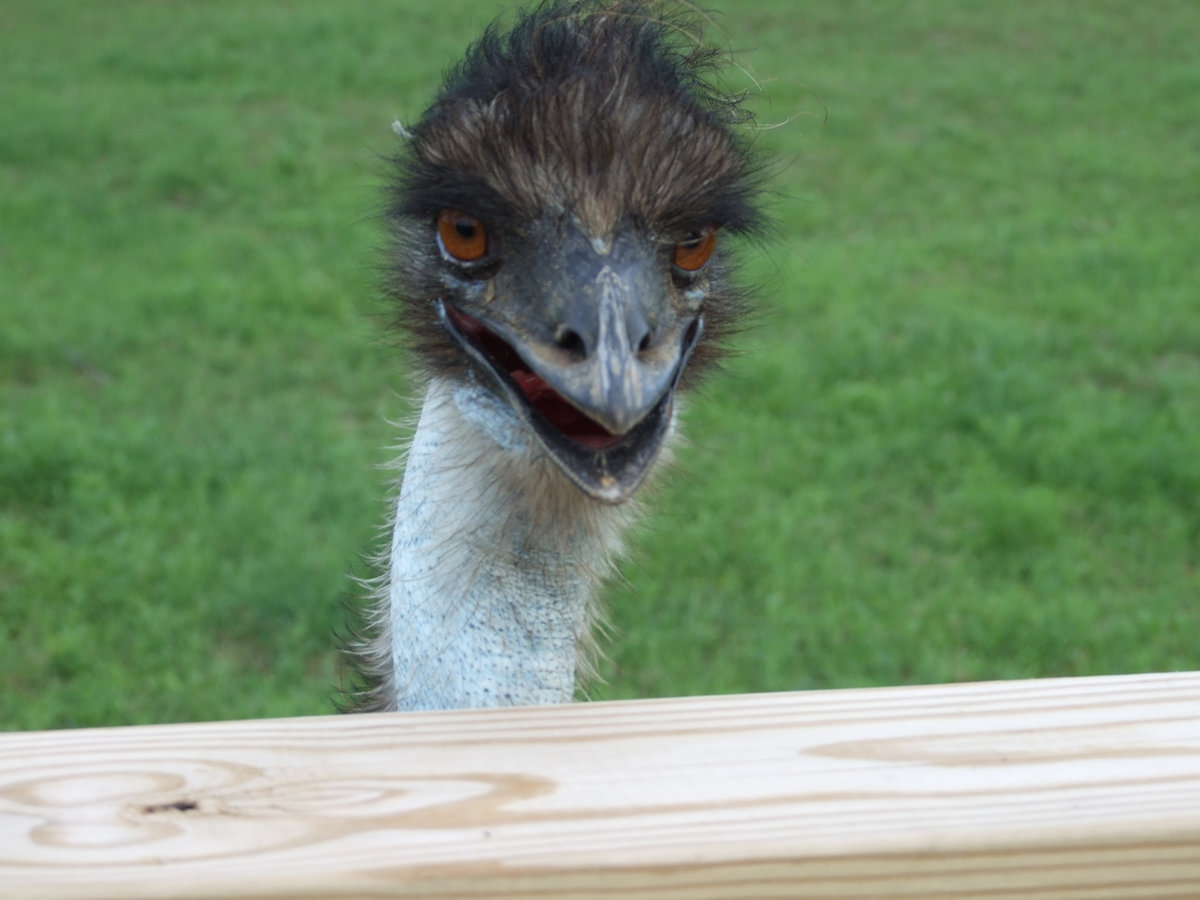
pixel 561 414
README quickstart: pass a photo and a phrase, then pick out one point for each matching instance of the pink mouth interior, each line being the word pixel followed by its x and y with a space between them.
pixel 549 402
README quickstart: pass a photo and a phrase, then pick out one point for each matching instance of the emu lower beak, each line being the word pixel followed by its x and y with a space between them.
pixel 601 403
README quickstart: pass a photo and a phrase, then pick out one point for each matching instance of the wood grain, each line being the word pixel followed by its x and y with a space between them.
pixel 1086 788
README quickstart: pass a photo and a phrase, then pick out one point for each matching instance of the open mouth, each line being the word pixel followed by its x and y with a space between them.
pixel 607 466
pixel 549 403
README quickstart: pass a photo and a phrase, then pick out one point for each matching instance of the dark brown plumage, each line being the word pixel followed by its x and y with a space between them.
pixel 603 113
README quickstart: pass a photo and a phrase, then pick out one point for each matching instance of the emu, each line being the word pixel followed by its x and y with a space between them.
pixel 559 262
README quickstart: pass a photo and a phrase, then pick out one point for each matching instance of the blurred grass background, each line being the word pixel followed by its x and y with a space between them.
pixel 962 441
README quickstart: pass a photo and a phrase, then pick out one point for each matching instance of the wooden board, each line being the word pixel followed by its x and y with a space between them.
pixel 1086 788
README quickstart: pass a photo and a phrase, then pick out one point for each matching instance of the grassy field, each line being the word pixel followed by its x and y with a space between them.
pixel 962 441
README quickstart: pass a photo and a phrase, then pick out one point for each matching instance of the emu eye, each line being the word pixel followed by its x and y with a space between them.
pixel 462 235
pixel 693 253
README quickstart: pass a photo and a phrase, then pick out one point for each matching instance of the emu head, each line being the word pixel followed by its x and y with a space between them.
pixel 561 215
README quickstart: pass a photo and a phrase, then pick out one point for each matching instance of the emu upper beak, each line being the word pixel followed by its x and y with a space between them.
pixel 604 359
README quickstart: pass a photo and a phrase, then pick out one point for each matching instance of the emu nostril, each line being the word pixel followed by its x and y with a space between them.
pixel 570 341
pixel 644 343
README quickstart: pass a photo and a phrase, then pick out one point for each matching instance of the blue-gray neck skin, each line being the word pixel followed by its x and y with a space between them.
pixel 495 563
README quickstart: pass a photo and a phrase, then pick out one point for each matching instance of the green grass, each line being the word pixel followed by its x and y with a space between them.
pixel 962 441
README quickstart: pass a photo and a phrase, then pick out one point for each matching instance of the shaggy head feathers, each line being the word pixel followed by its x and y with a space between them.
pixel 603 112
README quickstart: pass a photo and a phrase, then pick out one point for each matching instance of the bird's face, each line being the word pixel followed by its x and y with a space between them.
pixel 584 336
pixel 560 214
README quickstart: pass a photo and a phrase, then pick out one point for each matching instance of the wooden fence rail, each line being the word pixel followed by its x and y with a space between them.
pixel 1072 788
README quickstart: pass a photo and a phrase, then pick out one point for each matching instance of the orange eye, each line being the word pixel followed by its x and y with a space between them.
pixel 463 236
pixel 692 254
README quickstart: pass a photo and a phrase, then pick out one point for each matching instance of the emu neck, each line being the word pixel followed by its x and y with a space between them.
pixel 495 560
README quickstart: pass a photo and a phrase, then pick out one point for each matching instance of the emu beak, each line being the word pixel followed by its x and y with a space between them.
pixel 595 378
pixel 604 359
